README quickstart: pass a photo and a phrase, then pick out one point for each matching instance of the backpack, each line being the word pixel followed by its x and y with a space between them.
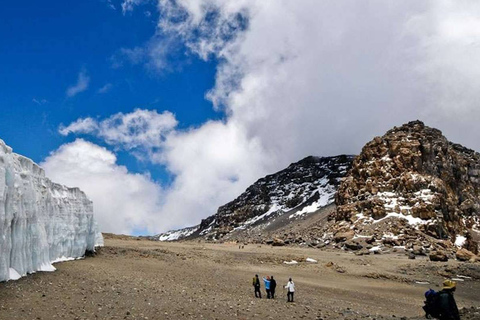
pixel 431 307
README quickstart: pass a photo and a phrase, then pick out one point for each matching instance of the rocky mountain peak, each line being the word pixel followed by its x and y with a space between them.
pixel 413 178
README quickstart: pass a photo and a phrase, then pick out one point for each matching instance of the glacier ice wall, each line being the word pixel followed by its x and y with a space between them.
pixel 40 221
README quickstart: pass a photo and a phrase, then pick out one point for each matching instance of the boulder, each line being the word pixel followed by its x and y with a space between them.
pixel 362 252
pixel 438 256
pixel 391 242
pixel 418 250
pixel 464 255
pixel 370 240
pixel 343 236
pixel 278 242
pixel 353 245
pixel 335 267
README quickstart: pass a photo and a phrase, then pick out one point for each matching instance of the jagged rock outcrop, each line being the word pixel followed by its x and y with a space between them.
pixel 308 184
pixel 412 187
pixel 40 221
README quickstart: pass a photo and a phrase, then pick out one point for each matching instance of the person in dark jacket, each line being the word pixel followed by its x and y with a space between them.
pixel 273 285
pixel 446 302
pixel 256 286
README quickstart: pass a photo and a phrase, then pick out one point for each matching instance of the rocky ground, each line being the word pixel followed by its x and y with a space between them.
pixel 132 279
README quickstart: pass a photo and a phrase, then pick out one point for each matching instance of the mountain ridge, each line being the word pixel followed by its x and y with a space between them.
pixel 311 181
pixel 409 190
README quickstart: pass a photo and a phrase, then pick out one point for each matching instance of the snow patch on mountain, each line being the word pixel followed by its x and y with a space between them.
pixel 176 234
pixel 413 221
pixel 460 241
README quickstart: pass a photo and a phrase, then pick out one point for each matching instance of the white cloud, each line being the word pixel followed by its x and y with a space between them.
pixel 128 5
pixel 111 5
pixel 310 77
pixel 81 85
pixel 105 88
pixel 39 101
pixel 355 69
pixel 139 129
pixel 132 55
pixel 123 201
pixel 212 165
pixel 154 55
pixel 449 60
pixel 81 126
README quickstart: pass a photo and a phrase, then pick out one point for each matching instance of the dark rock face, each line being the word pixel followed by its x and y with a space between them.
pixel 310 180
pixel 413 173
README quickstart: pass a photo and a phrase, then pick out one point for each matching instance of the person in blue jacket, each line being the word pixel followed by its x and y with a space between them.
pixel 267 286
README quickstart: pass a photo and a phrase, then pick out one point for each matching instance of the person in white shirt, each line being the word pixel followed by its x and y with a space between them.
pixel 290 290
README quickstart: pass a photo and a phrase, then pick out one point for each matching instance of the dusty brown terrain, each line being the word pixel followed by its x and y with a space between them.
pixel 130 279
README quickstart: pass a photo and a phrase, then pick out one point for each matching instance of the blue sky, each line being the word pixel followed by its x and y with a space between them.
pixel 163 110
pixel 45 46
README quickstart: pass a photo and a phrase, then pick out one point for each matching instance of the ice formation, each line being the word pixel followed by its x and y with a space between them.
pixel 40 221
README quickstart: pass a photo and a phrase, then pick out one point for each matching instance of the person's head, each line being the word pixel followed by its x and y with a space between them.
pixel 256 276
pixel 268 278
pixel 290 279
pixel 449 285
pixel 271 277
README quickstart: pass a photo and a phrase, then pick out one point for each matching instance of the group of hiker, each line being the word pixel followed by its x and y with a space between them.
pixel 270 286
pixel 439 305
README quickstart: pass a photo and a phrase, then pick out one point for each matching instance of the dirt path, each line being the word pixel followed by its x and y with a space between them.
pixel 132 279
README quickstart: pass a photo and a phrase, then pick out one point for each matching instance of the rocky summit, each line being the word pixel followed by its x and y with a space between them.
pixel 411 189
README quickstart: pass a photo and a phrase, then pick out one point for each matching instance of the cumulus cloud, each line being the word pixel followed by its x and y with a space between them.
pixel 82 84
pixel 336 73
pixel 140 128
pixel 123 201
pixel 86 125
pixel 310 77
pixel 210 165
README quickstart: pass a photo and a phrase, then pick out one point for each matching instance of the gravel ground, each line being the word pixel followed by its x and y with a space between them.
pixel 130 279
